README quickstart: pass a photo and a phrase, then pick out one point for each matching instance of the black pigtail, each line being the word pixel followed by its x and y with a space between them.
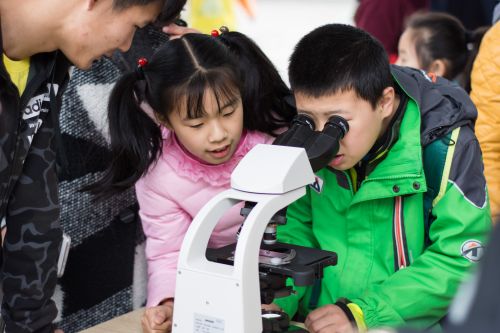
pixel 136 139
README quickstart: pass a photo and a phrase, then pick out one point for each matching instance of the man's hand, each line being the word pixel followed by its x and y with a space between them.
pixel 176 31
pixel 328 319
pixel 158 319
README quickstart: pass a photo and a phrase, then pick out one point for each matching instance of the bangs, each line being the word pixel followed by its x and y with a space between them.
pixel 219 81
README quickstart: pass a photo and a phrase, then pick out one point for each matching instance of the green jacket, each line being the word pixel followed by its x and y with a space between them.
pixel 386 263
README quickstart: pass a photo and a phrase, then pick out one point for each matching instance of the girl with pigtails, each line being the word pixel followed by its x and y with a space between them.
pixel 211 99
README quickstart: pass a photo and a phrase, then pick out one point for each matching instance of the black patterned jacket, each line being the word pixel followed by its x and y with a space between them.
pixel 28 193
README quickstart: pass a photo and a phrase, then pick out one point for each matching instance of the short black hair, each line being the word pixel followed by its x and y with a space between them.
pixel 336 58
pixel 170 10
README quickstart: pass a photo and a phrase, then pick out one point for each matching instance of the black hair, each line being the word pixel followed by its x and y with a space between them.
pixel 230 65
pixel 442 36
pixel 170 11
pixel 264 87
pixel 337 58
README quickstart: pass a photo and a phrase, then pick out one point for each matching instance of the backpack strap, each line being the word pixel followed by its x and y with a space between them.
pixel 437 157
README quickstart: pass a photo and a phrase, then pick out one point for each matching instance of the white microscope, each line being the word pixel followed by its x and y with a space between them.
pixel 219 291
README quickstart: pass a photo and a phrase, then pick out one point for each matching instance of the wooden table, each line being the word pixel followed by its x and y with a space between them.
pixel 129 323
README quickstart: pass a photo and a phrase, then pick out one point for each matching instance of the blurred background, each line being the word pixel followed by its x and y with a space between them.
pixel 275 25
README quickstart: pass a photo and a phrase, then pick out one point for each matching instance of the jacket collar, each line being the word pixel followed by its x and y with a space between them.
pixel 443 104
pixel 401 171
pixel 43 63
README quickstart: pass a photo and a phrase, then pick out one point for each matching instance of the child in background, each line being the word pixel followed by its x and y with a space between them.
pixel 438 43
pixel 213 98
pixel 384 19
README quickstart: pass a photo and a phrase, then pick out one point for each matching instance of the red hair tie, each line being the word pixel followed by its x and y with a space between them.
pixel 141 62
pixel 215 33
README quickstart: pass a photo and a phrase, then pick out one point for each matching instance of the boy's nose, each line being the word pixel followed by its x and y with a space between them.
pixel 320 125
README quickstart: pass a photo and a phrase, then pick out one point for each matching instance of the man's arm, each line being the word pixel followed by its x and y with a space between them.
pixel 32 241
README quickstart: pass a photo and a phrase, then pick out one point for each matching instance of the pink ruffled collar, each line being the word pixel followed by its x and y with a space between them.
pixel 188 166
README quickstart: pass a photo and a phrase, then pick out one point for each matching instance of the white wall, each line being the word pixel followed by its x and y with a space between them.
pixel 279 24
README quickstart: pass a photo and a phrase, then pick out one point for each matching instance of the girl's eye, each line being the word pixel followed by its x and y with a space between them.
pixel 228 114
pixel 196 125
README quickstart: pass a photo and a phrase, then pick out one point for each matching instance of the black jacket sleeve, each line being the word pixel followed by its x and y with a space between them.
pixel 31 245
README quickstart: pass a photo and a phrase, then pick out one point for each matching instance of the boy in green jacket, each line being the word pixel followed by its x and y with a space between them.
pixel 404 201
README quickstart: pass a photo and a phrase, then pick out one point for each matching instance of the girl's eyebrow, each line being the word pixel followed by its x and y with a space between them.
pixel 229 103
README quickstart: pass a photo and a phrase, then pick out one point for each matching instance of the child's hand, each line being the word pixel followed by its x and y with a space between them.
pixel 270 307
pixel 176 31
pixel 158 319
pixel 328 319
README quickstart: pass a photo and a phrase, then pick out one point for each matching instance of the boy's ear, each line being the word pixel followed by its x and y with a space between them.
pixel 438 67
pixel 386 103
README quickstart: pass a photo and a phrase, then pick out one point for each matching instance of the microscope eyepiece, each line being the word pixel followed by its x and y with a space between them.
pixel 335 126
pixel 322 146
pixel 303 119
pixel 300 130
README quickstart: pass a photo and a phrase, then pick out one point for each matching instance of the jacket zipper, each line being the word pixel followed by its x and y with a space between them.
pixel 31 88
pixel 401 259
pixel 349 181
pixel 4 195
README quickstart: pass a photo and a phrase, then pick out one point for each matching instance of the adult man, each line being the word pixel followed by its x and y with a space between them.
pixel 40 39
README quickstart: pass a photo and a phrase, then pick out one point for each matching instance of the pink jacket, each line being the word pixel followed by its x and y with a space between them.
pixel 171 194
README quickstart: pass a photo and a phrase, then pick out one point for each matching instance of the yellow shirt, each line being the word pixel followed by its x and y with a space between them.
pixel 18 71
